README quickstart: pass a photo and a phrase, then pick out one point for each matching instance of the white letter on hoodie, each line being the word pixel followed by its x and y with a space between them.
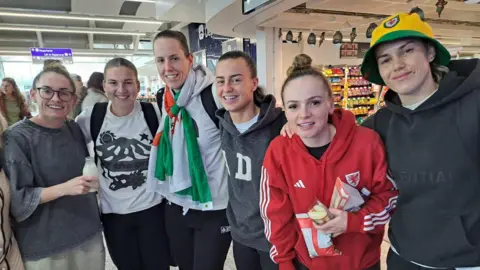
pixel 226 162
pixel 241 175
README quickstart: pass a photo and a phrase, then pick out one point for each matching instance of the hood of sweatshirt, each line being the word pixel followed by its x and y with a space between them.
pixel 203 78
pixel 344 123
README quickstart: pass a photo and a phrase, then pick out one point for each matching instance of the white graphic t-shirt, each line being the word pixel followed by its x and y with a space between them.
pixel 123 148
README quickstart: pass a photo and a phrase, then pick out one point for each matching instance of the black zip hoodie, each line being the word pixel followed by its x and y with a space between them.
pixel 247 150
pixel 434 159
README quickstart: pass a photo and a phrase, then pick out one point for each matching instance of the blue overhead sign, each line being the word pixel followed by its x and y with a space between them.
pixel 41 54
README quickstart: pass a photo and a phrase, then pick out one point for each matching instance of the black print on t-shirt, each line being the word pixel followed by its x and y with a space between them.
pixel 123 160
pixel 145 137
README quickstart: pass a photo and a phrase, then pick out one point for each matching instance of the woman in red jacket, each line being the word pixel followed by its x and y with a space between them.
pixel 302 170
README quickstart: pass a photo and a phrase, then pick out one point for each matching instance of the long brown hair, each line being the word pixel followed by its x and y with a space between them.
pixel 16 93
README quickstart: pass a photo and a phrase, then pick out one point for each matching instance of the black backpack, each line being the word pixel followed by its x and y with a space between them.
pixel 208 102
pixel 98 115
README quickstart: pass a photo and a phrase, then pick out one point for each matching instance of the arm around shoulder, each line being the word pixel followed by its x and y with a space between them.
pixel 376 211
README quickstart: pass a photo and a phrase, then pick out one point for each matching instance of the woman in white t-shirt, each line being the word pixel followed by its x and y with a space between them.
pixel 133 218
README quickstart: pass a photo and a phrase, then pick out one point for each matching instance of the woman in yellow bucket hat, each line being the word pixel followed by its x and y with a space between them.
pixel 431 129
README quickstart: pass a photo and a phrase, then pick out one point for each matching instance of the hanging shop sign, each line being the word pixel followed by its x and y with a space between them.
pixel 39 55
pixel 353 50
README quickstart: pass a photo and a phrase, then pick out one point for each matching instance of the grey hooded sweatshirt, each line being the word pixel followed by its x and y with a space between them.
pixel 244 153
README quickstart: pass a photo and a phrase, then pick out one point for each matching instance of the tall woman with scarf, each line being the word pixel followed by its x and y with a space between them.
pixel 186 163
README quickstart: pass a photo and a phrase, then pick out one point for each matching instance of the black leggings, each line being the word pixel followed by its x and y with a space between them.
pixel 138 240
pixel 199 240
pixel 247 258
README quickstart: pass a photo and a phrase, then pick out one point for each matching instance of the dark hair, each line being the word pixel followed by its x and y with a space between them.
pixel 259 94
pixel 178 36
pixel 120 62
pixel 96 81
pixel 54 67
pixel 16 92
pixel 301 68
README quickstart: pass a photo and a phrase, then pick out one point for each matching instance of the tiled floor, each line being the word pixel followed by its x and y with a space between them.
pixel 230 265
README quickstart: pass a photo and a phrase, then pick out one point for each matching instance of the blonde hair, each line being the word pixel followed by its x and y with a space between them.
pixel 438 71
pixel 57 68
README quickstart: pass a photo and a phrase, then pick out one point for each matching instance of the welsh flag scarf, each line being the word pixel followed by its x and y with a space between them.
pixel 199 189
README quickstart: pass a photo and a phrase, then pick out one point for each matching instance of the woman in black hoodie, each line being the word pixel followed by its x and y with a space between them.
pixel 248 122
pixel 431 130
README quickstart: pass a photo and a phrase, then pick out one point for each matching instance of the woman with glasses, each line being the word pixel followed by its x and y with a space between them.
pixel 56 219
pixel 12 102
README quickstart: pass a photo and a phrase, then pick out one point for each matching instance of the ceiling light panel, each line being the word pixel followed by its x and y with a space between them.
pixel 123 19
pixel 26 28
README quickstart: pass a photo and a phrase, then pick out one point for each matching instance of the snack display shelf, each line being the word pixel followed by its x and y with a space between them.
pixel 351 91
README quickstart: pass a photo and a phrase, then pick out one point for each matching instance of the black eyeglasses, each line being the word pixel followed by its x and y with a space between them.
pixel 63 94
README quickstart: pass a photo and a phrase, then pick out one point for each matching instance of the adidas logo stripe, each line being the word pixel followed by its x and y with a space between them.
pixel 299 184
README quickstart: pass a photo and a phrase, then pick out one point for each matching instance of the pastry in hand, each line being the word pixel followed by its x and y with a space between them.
pixel 319 214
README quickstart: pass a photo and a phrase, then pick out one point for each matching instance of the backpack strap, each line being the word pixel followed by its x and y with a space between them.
pixel 160 98
pixel 150 117
pixel 209 104
pixel 96 121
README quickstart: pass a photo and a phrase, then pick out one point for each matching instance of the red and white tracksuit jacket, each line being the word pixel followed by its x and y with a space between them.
pixel 293 180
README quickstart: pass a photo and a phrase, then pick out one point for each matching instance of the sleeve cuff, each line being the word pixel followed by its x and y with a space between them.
pixel 287 265
pixel 28 209
pixel 355 222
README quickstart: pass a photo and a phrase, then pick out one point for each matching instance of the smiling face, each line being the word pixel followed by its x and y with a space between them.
pixel 404 66
pixel 173 63
pixel 308 105
pixel 121 86
pixel 53 108
pixel 235 85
